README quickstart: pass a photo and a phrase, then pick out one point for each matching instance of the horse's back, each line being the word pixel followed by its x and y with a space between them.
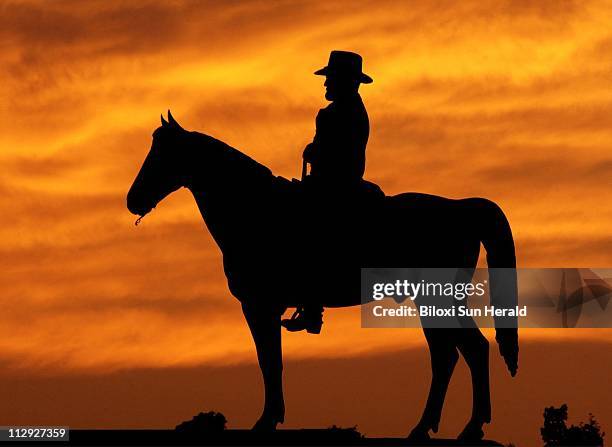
pixel 430 231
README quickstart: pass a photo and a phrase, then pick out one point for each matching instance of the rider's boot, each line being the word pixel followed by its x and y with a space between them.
pixel 309 318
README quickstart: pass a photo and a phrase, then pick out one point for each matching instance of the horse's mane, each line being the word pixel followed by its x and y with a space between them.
pixel 241 164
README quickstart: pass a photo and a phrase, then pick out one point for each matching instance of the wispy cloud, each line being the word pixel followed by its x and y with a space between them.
pixel 508 100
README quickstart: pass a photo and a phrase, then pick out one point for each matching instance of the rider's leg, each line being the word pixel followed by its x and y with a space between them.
pixel 316 235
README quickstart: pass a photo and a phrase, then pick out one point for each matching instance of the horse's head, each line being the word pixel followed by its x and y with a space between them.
pixel 161 172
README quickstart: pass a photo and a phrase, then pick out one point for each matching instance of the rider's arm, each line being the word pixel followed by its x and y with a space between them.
pixel 312 149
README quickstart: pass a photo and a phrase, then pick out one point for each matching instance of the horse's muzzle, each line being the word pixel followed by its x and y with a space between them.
pixel 137 205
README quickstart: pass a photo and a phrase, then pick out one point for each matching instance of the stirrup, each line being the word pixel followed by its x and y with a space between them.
pixel 300 320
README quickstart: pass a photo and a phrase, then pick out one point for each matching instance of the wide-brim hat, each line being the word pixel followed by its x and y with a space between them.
pixel 345 64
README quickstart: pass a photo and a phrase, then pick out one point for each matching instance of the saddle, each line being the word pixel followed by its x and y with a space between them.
pixel 362 191
pixel 336 202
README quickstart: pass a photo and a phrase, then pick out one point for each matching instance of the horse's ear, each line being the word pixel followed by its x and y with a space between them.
pixel 172 121
pixel 163 121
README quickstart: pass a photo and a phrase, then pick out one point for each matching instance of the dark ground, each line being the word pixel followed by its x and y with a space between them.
pixel 302 437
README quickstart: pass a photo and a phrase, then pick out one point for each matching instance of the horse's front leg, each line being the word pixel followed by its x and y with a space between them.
pixel 264 323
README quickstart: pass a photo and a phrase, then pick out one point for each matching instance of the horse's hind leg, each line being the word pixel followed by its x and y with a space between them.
pixel 474 347
pixel 264 323
pixel 444 357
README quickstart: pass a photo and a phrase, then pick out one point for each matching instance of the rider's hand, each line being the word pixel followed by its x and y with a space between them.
pixel 309 151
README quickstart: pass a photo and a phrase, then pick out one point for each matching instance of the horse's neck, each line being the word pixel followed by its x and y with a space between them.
pixel 212 164
pixel 226 185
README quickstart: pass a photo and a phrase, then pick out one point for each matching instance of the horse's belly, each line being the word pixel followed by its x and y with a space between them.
pixel 290 285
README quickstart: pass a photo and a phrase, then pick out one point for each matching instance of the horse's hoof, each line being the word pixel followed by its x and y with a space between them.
pixel 265 424
pixel 418 435
pixel 471 433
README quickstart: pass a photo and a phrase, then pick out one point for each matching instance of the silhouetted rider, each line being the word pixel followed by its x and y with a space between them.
pixel 337 153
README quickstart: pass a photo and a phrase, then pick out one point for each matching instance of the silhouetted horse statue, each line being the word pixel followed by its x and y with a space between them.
pixel 259 223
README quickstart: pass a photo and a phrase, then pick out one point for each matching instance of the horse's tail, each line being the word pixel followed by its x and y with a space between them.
pixel 496 236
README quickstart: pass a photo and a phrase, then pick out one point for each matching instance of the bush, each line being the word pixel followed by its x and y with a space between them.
pixel 211 422
pixel 556 433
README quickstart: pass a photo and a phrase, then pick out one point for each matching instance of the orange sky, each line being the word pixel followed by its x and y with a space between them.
pixel 508 100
